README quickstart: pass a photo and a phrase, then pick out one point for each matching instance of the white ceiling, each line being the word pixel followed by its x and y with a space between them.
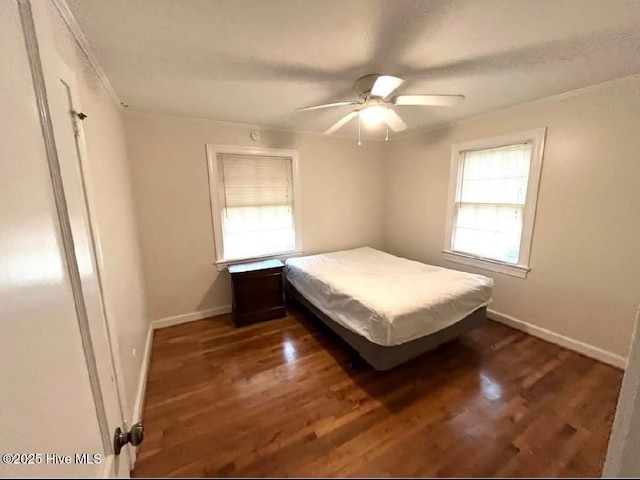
pixel 256 61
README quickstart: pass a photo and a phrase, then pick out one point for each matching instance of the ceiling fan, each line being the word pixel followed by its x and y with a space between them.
pixel 375 104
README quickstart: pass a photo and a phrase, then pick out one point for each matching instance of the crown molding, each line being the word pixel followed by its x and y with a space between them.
pixel 549 99
pixel 263 128
pixel 83 43
pixel 411 133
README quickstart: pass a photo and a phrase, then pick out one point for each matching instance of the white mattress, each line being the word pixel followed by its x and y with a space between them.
pixel 388 300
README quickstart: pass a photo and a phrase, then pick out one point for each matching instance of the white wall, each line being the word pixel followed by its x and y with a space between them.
pixel 110 198
pixel 342 202
pixel 585 269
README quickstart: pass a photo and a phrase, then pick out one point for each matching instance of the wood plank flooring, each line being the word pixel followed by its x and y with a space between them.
pixel 280 399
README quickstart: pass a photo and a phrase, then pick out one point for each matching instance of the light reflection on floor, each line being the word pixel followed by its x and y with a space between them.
pixel 289 350
pixel 259 382
pixel 491 390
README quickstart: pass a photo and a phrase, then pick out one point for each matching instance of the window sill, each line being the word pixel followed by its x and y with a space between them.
pixel 519 271
pixel 223 264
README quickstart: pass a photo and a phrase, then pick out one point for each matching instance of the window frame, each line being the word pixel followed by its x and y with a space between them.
pixel 213 151
pixel 520 269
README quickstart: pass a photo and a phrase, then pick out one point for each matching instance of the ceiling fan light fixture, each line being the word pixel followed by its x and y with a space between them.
pixel 373 115
pixel 376 105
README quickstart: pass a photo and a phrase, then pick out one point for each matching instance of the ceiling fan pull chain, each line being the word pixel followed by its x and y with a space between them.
pixel 386 139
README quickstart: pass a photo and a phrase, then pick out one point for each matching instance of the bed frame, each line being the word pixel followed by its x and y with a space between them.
pixel 385 358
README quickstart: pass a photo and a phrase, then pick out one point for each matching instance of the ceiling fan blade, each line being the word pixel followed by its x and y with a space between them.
pixel 326 105
pixel 428 100
pixel 394 121
pixel 385 85
pixel 342 122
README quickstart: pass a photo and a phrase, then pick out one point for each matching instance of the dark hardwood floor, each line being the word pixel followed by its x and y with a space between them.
pixel 279 399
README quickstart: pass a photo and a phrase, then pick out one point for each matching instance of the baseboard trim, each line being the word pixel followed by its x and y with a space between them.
pixel 190 317
pixel 566 342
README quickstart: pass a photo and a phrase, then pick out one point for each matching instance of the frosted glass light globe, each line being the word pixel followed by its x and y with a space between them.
pixel 373 115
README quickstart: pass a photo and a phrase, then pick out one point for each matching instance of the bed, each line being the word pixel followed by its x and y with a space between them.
pixel 389 309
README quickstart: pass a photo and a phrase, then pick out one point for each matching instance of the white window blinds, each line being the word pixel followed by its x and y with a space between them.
pixel 490 200
pixel 256 205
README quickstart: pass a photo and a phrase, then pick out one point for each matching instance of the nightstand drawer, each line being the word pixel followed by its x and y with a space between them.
pixel 257 292
pixel 252 293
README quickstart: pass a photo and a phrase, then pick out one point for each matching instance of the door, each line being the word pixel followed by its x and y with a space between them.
pixel 59 405
pixel 622 455
pixel 66 119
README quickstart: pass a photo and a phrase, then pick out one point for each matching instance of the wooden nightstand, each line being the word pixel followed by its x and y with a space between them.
pixel 257 291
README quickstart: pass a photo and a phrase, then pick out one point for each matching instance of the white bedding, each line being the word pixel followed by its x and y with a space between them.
pixel 388 300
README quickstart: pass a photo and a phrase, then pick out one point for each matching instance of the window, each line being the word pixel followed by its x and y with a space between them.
pixel 254 202
pixel 492 201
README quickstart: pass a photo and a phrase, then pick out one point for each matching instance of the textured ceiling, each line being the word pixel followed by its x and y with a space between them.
pixel 256 61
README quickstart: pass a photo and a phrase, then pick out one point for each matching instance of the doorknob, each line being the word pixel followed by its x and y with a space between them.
pixel 133 436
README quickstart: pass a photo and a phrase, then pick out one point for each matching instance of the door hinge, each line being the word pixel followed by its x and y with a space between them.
pixel 77 117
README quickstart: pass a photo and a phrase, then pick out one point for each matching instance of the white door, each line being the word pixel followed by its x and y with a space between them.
pixel 65 110
pixel 59 405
